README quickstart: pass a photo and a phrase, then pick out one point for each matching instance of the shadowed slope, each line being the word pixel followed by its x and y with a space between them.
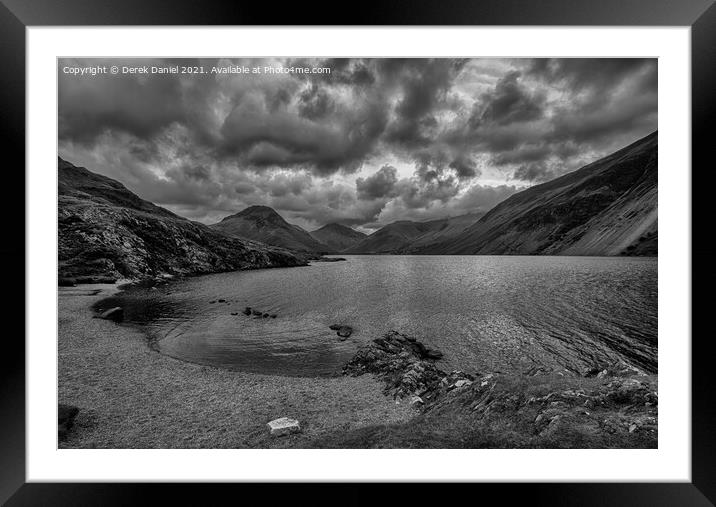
pixel 413 237
pixel 608 207
pixel 261 223
pixel 338 237
pixel 106 230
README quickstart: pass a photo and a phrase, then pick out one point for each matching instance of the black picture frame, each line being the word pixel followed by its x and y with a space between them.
pixel 17 15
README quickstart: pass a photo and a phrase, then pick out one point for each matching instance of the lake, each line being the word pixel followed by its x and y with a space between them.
pixel 485 313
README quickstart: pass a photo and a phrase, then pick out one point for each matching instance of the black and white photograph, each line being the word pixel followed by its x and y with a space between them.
pixel 357 253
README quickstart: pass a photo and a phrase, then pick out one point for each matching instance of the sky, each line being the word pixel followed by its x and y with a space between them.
pixel 361 142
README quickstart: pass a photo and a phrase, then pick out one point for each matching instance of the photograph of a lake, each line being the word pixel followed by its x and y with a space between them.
pixel 485 313
pixel 358 253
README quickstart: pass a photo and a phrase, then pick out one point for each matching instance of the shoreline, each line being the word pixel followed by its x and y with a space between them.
pixel 130 396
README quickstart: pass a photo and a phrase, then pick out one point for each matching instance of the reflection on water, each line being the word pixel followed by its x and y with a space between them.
pixel 486 313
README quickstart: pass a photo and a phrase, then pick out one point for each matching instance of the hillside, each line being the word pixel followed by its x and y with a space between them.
pixel 261 223
pixel 450 228
pixel 412 237
pixel 104 230
pixel 608 207
pixel 338 237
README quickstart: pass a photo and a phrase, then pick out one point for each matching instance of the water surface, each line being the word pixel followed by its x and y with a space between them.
pixel 485 313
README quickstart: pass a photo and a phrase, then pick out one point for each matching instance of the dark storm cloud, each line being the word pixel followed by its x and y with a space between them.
pixel 594 73
pixel 509 102
pixel 314 103
pixel 380 184
pixel 142 108
pixel 534 171
pixel 373 140
pixel 464 167
pixel 525 153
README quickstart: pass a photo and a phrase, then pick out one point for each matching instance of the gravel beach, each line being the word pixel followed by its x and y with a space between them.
pixel 132 397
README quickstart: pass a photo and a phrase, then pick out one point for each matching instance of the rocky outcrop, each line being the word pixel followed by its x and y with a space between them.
pixel 614 406
pixel 106 232
pixel 65 419
pixel 405 365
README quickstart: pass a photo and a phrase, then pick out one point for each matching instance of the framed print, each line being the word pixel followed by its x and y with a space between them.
pixel 436 245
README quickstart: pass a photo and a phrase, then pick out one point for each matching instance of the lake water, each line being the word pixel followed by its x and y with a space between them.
pixel 485 313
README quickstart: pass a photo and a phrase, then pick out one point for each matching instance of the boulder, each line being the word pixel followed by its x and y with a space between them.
pixel 283 426
pixel 462 383
pixel 222 300
pixel 273 315
pixel 416 401
pixel 345 331
pixel 65 419
pixel 266 315
pixel 433 354
pixel 256 312
pixel 234 313
pixel 115 314
pixel 247 310
pixel 334 327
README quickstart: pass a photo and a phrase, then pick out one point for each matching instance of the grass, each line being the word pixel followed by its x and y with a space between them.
pixel 519 411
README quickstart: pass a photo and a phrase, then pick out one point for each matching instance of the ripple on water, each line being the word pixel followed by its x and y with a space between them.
pixel 485 313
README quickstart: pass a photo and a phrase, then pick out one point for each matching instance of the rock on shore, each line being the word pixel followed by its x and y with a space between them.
pixel 403 363
pixel 65 419
pixel 614 406
pixel 283 426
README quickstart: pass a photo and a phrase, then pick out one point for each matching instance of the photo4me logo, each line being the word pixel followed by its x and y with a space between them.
pixel 95 70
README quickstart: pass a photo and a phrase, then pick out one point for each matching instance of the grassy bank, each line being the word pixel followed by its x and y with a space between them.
pixel 618 409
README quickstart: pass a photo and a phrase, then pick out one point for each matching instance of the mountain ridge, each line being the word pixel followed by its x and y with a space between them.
pixel 406 236
pixel 337 236
pixel 264 224
pixel 107 231
pixel 607 207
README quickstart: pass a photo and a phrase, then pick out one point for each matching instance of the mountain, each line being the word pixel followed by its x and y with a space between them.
pixel 261 223
pixel 447 229
pixel 338 237
pixel 104 230
pixel 406 236
pixel 608 207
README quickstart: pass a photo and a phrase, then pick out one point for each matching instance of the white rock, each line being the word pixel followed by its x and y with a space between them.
pixel 283 426
pixel 462 383
pixel 416 401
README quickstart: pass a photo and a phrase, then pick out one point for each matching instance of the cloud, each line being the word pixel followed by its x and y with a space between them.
pixel 508 103
pixel 380 184
pixel 371 141
pixel 534 171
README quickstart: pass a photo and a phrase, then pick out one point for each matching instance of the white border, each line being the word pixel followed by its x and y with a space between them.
pixel 671 462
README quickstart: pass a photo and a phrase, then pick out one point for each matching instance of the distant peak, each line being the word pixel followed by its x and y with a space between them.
pixel 334 225
pixel 256 211
pixel 259 209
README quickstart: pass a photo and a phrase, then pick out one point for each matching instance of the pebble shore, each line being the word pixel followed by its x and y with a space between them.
pixel 130 396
